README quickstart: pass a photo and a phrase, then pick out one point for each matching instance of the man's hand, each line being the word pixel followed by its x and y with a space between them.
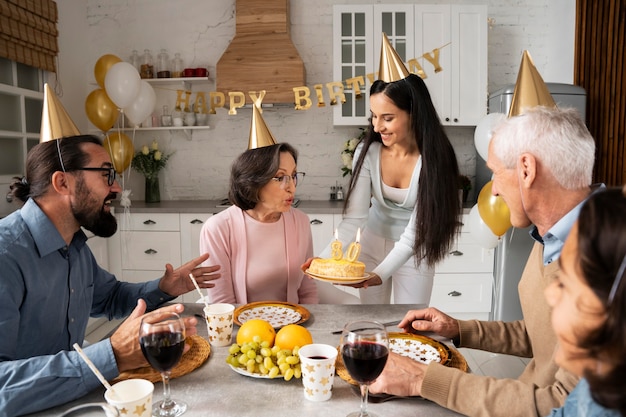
pixel 176 281
pixel 430 320
pixel 125 340
pixel 402 376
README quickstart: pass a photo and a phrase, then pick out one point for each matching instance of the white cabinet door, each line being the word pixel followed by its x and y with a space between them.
pixel 459 33
pixel 190 226
pixel 469 94
pixel 322 229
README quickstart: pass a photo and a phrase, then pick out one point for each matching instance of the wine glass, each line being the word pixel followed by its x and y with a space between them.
pixel 162 340
pixel 364 350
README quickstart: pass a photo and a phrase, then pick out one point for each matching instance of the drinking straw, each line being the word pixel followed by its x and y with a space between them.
pixel 195 284
pixel 94 369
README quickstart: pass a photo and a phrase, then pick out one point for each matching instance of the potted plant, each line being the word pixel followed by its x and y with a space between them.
pixel 465 185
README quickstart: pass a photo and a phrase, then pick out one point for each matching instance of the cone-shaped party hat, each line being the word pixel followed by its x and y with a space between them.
pixel 260 135
pixel 530 90
pixel 391 67
pixel 55 122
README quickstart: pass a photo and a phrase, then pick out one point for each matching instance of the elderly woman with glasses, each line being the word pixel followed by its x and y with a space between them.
pixel 261 241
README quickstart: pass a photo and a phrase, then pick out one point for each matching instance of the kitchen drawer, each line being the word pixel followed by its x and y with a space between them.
pixel 467 293
pixel 467 256
pixel 150 250
pixel 163 222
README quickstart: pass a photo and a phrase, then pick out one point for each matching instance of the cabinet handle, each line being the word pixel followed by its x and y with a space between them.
pixel 150 252
pixel 147 222
pixel 316 221
pixel 456 253
pixel 454 294
pixel 196 221
pixel 447 119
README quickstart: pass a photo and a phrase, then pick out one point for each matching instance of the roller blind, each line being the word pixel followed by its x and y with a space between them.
pixel 28 32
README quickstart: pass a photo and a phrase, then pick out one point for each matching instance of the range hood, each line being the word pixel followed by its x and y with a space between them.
pixel 261 56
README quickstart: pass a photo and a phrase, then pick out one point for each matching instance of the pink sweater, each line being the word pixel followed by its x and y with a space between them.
pixel 223 236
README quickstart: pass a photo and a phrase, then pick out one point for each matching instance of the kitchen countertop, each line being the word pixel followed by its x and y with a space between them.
pixel 214 206
pixel 214 389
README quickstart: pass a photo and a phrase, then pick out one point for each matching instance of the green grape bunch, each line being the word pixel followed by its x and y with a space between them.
pixel 257 357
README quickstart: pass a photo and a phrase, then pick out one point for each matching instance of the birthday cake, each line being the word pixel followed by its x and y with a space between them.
pixel 341 268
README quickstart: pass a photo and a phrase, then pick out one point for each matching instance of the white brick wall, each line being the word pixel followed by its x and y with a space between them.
pixel 201 31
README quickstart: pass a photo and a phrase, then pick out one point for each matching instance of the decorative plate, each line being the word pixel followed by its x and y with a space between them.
pixel 244 372
pixel 417 347
pixel 277 313
pixel 340 280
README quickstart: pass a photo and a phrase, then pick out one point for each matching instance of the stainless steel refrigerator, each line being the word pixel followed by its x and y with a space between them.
pixel 511 254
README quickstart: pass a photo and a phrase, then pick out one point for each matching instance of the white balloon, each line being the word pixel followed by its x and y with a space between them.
pixel 122 83
pixel 480 231
pixel 482 134
pixel 142 106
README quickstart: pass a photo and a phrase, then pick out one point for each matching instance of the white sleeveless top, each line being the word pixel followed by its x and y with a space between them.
pixel 396 195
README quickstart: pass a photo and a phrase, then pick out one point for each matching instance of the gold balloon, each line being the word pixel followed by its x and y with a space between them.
pixel 494 211
pixel 120 149
pixel 100 110
pixel 102 66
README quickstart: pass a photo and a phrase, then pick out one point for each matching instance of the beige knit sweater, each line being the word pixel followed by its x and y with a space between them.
pixel 542 385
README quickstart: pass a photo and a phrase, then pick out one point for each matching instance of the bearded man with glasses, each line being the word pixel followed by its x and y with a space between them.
pixel 51 284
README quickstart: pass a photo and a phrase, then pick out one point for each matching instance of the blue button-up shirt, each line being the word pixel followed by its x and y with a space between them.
pixel 554 239
pixel 48 291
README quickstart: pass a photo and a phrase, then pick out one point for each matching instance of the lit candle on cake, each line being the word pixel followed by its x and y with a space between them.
pixel 354 250
pixel 335 246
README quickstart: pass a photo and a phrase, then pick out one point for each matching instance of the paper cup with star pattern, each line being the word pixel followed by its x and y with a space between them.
pixel 317 362
pixel 132 397
pixel 219 322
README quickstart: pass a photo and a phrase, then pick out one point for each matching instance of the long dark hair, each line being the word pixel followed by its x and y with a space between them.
pixel 252 170
pixel 438 206
pixel 602 249
pixel 43 161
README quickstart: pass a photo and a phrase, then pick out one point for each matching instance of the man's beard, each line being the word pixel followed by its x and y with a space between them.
pixel 90 213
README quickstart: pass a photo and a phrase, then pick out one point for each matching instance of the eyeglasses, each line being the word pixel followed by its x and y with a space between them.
pixel 110 173
pixel 285 179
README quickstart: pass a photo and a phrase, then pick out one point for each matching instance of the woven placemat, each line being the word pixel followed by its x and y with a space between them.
pixel 192 359
pixel 456 361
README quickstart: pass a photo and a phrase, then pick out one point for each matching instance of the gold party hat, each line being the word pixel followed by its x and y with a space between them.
pixel 260 135
pixel 55 122
pixel 530 90
pixel 391 67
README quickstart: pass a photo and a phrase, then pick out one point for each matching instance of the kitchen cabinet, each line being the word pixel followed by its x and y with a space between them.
pixel 458 85
pixel 464 280
pixel 322 230
pixel 190 226
pixel 459 91
pixel 144 243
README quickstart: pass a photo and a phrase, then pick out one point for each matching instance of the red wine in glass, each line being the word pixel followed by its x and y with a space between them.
pixel 364 360
pixel 162 340
pixel 163 350
pixel 364 350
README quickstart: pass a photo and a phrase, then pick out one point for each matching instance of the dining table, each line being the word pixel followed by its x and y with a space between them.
pixel 214 389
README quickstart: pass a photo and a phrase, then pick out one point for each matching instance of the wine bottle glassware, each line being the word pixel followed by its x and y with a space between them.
pixel 364 351
pixel 162 340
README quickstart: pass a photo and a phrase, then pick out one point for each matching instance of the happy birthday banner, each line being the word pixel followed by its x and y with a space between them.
pixel 302 94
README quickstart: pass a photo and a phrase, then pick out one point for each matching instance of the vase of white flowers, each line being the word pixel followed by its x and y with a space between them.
pixel 347 154
pixel 149 161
